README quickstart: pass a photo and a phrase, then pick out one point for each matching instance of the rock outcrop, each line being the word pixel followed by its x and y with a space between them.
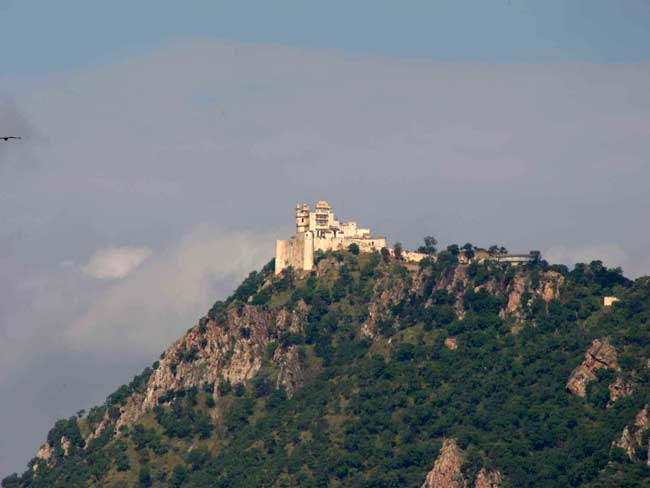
pixel 233 350
pixel 619 389
pixel 601 354
pixel 45 452
pixel 65 445
pixel 488 479
pixel 451 343
pixel 456 285
pixel 548 288
pixel 98 430
pixel 446 469
pixel 632 438
pixel 290 376
pixel 389 291
pixel 326 266
pixel 456 281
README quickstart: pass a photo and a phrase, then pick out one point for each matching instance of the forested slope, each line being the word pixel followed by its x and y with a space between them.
pixel 374 372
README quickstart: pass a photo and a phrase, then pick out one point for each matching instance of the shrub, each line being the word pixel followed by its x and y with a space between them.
pixel 225 387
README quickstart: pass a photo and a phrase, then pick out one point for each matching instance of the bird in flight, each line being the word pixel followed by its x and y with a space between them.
pixel 6 138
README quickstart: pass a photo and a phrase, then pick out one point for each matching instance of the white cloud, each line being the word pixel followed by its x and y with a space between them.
pixel 147 309
pixel 115 262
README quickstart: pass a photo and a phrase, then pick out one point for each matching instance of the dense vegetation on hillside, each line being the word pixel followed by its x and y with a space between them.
pixel 374 406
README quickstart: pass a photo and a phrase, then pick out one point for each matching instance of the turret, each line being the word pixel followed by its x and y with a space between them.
pixel 323 215
pixel 302 218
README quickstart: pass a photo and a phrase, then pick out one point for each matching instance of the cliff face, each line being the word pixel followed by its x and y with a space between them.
pixel 210 354
pixel 488 479
pixel 514 288
pixel 232 351
pixel 546 286
pixel 455 283
pixel 387 293
pixel 446 471
pixel 290 376
pixel 632 438
pixel 600 355
pixel 620 389
pixel 518 290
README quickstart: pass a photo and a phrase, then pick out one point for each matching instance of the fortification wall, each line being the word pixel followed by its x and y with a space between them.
pixel 328 244
pixel 280 255
pixel 415 257
pixel 367 244
pixel 292 252
pixel 307 252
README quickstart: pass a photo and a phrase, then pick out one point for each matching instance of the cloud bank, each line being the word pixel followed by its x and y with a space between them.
pixel 145 311
pixel 115 262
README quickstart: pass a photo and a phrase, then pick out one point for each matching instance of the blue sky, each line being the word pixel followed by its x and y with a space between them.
pixel 167 142
pixel 38 37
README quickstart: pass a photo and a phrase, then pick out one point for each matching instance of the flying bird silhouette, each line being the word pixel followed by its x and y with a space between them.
pixel 6 138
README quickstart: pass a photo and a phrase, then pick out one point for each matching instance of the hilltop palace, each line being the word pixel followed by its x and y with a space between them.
pixel 320 231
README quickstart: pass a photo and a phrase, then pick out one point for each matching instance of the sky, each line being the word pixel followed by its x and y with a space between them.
pixel 166 144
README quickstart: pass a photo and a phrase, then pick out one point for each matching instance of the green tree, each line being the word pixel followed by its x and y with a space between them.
pixel 397 249
pixel 179 476
pixel 385 254
pixel 429 247
pixel 11 481
pixel 468 250
pixel 144 478
pixel 224 387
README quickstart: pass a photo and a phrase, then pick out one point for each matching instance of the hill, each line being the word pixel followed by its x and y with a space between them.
pixel 374 372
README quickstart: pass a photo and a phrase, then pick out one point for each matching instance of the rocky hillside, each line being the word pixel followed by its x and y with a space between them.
pixel 374 372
